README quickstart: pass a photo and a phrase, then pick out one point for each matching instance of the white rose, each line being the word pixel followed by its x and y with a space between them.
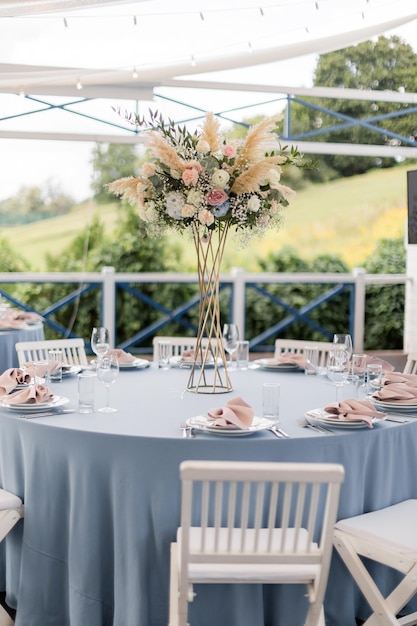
pixel 174 204
pixel 175 174
pixel 254 204
pixel 220 179
pixel 203 146
pixel 274 176
pixel 195 197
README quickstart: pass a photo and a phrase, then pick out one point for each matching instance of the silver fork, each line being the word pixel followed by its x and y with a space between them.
pixel 187 431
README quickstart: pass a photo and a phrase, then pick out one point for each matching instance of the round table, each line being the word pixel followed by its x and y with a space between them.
pixel 9 338
pixel 102 499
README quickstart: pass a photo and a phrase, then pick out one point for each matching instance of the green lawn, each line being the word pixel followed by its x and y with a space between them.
pixel 346 217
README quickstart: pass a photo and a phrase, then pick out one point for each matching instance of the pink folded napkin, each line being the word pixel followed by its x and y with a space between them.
pixel 188 356
pixel 287 358
pixel 33 394
pixel 11 378
pixel 9 322
pixel 41 368
pixel 25 316
pixel 122 356
pixel 348 410
pixel 400 392
pixel 391 378
pixel 236 412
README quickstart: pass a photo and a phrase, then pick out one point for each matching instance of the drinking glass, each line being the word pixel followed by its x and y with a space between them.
pixel 100 341
pixel 231 339
pixel 373 378
pixel 312 360
pixel 107 372
pixel 337 370
pixel 343 342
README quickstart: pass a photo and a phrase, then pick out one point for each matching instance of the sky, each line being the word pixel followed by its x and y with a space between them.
pixel 67 164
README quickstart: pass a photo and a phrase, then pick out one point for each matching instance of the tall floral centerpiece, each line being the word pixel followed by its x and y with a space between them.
pixel 207 185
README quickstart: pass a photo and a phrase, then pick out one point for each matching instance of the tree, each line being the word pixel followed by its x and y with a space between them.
pixel 109 163
pixel 385 64
pixel 34 203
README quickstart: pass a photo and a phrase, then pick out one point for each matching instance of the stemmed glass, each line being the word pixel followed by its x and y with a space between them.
pixel 107 372
pixel 343 342
pixel 337 369
pixel 100 341
pixel 231 339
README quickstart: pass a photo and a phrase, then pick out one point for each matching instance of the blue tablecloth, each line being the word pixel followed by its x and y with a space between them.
pixel 102 497
pixel 9 338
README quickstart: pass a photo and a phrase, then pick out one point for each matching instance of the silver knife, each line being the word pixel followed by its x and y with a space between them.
pixel 30 416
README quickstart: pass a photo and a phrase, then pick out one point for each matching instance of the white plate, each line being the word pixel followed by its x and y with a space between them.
pixel 176 361
pixel 138 364
pixel 321 418
pixel 71 369
pixel 201 422
pixel 395 406
pixel 281 367
pixel 40 406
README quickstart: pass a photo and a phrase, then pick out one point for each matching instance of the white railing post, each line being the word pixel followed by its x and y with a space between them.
pixel 359 312
pixel 109 302
pixel 238 304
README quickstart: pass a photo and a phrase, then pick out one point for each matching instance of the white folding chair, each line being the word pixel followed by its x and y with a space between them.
pixel 178 344
pixel 73 350
pixel 387 536
pixel 297 346
pixel 410 366
pixel 251 522
pixel 11 511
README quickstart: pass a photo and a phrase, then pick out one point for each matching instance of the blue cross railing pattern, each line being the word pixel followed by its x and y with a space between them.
pixel 236 286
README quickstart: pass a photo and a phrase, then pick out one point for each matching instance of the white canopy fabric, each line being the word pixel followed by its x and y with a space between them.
pixel 129 53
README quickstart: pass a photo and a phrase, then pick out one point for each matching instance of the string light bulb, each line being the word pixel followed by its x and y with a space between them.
pixel 79 84
pixel 250 47
pixel 193 63
pixel 134 73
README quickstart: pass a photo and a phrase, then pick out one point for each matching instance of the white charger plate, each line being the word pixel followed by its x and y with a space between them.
pixel 39 406
pixel 280 367
pixel 139 364
pixel 320 417
pixel 206 424
pixel 400 405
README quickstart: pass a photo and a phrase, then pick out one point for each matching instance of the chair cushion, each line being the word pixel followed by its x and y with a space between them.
pixel 9 500
pixel 393 527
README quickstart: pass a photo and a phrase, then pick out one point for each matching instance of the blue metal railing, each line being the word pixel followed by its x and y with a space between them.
pixel 235 288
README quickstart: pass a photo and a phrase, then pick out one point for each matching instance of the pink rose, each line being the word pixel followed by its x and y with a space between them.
pixel 216 197
pixel 190 176
pixel 229 151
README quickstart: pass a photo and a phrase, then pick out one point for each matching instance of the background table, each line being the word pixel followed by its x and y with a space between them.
pixel 9 338
pixel 102 498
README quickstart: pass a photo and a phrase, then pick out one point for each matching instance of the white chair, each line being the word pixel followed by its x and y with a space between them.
pixel 410 366
pixel 254 522
pixel 73 350
pixel 387 536
pixel 297 346
pixel 11 511
pixel 178 344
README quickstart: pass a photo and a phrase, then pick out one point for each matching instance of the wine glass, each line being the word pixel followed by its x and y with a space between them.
pixel 338 369
pixel 231 339
pixel 107 372
pixel 343 342
pixel 100 341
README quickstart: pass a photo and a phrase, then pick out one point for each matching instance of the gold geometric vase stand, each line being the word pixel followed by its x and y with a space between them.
pixel 209 372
